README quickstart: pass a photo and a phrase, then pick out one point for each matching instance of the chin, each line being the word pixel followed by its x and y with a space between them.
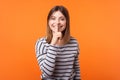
pixel 62 30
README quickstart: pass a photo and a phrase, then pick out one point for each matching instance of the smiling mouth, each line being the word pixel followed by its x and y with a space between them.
pixel 59 26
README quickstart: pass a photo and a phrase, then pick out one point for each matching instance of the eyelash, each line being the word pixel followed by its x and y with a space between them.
pixel 62 19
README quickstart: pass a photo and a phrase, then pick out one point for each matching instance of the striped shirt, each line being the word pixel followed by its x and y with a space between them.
pixel 58 62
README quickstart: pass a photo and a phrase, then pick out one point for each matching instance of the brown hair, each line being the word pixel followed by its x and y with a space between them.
pixel 66 32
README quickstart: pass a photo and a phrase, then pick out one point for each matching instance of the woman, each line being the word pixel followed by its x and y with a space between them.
pixel 57 53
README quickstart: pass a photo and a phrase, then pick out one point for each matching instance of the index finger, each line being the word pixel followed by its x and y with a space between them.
pixel 56 29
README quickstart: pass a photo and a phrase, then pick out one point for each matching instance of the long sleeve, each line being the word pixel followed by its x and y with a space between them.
pixel 46 58
pixel 77 66
pixel 77 69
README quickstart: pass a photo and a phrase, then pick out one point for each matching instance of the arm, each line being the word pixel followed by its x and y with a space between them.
pixel 77 67
pixel 46 58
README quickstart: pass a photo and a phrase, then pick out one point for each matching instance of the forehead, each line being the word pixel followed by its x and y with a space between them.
pixel 57 14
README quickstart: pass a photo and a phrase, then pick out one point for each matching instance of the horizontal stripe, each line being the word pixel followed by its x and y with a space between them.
pixel 58 62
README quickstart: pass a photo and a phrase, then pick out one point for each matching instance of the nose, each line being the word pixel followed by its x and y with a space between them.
pixel 58 22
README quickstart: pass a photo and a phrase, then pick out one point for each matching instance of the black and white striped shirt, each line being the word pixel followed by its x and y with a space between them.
pixel 58 62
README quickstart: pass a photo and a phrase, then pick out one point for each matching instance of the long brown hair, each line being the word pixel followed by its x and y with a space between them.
pixel 66 32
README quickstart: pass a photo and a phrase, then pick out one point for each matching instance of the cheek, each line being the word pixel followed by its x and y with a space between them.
pixel 51 27
pixel 64 23
pixel 63 27
pixel 50 23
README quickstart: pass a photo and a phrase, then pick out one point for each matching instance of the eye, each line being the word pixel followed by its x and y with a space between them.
pixel 62 19
pixel 52 18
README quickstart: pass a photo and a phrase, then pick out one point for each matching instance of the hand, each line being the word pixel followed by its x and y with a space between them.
pixel 57 36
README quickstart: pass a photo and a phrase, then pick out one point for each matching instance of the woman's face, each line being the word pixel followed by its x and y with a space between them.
pixel 57 21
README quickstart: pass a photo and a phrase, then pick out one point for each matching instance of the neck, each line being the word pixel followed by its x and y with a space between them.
pixel 60 42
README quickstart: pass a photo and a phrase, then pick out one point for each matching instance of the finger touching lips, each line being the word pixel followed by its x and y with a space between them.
pixel 56 29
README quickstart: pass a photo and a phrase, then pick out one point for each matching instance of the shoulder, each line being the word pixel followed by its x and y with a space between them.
pixel 77 45
pixel 40 40
pixel 73 39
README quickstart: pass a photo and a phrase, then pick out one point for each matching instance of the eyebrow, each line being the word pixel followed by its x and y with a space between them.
pixel 60 16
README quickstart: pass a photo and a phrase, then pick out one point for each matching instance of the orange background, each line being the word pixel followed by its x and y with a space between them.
pixel 95 24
